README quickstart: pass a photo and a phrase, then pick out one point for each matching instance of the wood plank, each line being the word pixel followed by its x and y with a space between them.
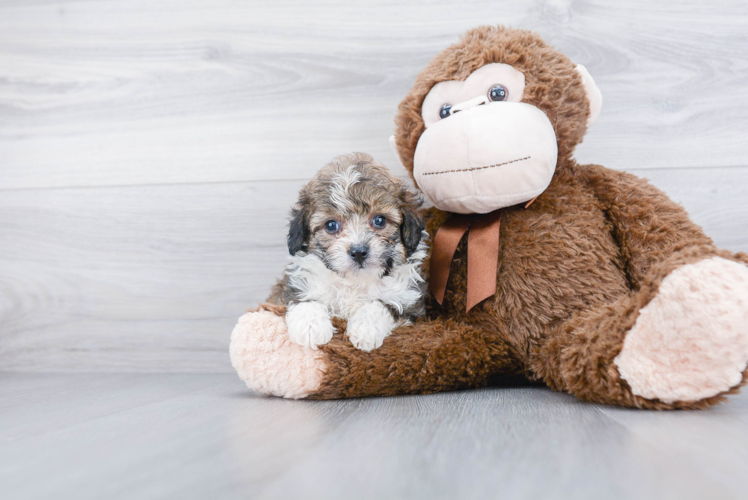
pixel 152 278
pixel 122 93
pixel 683 434
pixel 155 277
pixel 213 439
pixel 508 443
pixel 29 403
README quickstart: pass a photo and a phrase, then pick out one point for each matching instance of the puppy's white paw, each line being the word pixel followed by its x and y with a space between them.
pixel 369 326
pixel 309 324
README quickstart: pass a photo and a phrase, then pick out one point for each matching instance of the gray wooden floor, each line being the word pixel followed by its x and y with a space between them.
pixel 149 152
pixel 119 436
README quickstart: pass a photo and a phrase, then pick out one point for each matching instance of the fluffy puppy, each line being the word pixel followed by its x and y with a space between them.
pixel 356 243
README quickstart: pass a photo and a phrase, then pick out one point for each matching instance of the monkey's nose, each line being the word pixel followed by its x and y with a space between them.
pixel 359 253
pixel 469 104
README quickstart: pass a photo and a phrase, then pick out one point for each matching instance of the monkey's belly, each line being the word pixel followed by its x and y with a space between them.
pixel 550 266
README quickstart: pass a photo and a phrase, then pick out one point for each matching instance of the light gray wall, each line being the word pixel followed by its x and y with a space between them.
pixel 149 151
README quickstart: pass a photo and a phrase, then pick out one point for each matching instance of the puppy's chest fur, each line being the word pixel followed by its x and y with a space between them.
pixel 308 279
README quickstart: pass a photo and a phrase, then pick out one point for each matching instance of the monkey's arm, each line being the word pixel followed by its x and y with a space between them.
pixel 648 226
pixel 430 356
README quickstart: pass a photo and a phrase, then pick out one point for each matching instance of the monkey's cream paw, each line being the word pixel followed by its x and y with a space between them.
pixel 691 341
pixel 309 324
pixel 269 363
pixel 369 326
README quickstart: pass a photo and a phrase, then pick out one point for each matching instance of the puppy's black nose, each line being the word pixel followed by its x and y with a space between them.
pixel 359 253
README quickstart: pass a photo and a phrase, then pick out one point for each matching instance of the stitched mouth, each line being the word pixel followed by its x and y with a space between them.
pixel 477 168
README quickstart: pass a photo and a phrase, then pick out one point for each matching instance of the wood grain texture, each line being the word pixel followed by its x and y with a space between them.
pixel 152 278
pixel 185 91
pixel 90 436
pixel 149 152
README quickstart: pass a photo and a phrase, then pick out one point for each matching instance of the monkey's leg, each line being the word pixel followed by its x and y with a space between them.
pixel 427 357
pixel 680 341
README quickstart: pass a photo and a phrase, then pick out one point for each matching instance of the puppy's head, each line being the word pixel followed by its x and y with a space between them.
pixel 356 216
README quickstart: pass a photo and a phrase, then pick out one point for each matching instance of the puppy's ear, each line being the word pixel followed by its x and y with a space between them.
pixel 298 225
pixel 412 225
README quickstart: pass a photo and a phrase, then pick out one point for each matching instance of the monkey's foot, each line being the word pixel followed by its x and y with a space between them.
pixel 269 362
pixel 691 341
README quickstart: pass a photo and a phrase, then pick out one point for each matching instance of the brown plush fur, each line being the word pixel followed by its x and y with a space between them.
pixel 575 268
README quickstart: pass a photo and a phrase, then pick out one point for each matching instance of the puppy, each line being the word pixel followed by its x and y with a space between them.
pixel 356 243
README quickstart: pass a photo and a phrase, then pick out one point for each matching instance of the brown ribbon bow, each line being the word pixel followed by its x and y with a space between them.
pixel 483 255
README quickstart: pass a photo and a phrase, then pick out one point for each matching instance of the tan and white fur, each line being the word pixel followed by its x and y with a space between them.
pixel 356 243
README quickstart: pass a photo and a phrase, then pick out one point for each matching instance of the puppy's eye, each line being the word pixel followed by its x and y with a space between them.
pixel 332 226
pixel 498 93
pixel 445 111
pixel 378 222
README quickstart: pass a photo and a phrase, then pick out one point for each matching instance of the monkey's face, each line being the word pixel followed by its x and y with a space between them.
pixel 491 137
pixel 483 148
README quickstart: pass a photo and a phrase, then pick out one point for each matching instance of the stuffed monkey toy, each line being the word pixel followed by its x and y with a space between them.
pixel 589 280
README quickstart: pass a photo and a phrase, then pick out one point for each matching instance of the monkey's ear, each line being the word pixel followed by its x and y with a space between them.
pixel 298 225
pixel 594 96
pixel 412 225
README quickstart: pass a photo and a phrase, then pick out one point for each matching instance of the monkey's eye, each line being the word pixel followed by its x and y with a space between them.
pixel 498 93
pixel 332 226
pixel 378 222
pixel 445 111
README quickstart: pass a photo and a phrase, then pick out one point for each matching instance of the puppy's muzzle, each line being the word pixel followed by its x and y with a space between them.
pixel 359 253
